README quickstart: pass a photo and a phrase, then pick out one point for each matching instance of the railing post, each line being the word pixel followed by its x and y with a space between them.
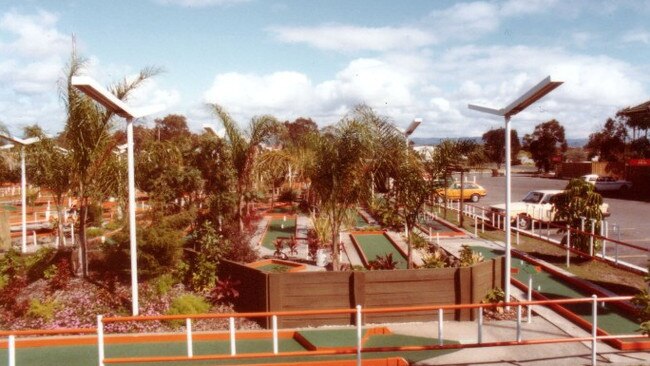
pixel 359 335
pixel 618 238
pixel 440 328
pixel 12 350
pixel 602 234
pixel 475 226
pixel 479 337
pixel 233 345
pixel 274 321
pixel 532 226
pixel 591 237
pixel 568 246
pixel 529 315
pixel 100 340
pixel 517 240
pixel 594 328
pixel 483 222
pixel 190 345
pixel 519 323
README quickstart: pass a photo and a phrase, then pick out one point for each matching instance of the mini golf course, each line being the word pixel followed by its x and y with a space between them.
pixel 359 221
pixel 373 244
pixel 256 342
pixel 429 224
pixel 611 319
pixel 279 227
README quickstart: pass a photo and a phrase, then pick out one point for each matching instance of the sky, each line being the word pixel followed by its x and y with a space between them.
pixel 318 59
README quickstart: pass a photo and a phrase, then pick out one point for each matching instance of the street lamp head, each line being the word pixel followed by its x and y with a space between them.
pixel 19 141
pixel 94 90
pixel 524 101
pixel 411 128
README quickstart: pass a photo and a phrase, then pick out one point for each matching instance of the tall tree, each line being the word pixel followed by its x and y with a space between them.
pixel 546 142
pixel 88 137
pixel 494 145
pixel 609 143
pixel 410 192
pixel 244 150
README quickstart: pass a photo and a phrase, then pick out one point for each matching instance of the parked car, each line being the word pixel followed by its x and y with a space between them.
pixel 536 205
pixel 471 191
pixel 607 184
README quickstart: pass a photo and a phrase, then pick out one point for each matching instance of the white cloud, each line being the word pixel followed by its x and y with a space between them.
pixel 33 35
pixel 352 38
pixel 200 3
pixel 636 36
pixel 465 20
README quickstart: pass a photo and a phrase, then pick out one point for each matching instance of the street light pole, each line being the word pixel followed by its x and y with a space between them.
pixel 132 233
pixel 531 96
pixel 102 96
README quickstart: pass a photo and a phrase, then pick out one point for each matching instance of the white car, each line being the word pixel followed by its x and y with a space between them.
pixel 607 184
pixel 536 205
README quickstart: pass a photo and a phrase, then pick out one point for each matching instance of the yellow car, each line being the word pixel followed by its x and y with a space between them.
pixel 471 191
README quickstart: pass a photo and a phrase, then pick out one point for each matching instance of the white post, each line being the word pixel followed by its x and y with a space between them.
pixel 231 326
pixel 591 237
pixel 440 328
pixel 529 315
pixel 359 335
pixel 100 340
pixel 35 241
pixel 12 350
pixel 132 237
pixel 479 338
pixel 274 324
pixel 519 323
pixel 603 233
pixel 190 346
pixel 475 226
pixel 506 272
pixel 568 246
pixel 594 327
pixel 72 233
pixel 23 198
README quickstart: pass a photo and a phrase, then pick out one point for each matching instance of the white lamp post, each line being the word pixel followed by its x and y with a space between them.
pixel 23 182
pixel 410 129
pixel 102 96
pixel 531 96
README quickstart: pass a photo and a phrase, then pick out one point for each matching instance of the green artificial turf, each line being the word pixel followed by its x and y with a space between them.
pixel 378 245
pixel 359 221
pixel 610 318
pixel 279 228
pixel 87 354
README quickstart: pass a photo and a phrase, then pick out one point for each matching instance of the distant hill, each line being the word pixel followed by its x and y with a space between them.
pixel 420 141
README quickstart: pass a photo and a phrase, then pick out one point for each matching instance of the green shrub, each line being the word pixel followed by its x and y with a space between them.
pixel 181 220
pixel 163 284
pixel 42 310
pixel 468 257
pixel 418 242
pixel 187 304
pixel 435 260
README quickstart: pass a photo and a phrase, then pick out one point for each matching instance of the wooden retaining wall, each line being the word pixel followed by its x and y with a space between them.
pixel 261 292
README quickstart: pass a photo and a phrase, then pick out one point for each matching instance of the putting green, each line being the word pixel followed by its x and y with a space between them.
pixel 87 354
pixel 359 221
pixel 611 319
pixel 378 245
pixel 278 227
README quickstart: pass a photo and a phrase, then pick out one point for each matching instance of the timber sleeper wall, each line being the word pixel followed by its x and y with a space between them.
pixel 260 292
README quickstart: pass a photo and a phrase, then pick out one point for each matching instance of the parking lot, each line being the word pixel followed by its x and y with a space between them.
pixel 630 216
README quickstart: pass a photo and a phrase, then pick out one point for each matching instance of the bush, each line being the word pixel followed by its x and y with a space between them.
pixel 181 220
pixel 435 260
pixel 385 262
pixel 163 284
pixel 468 257
pixel 187 304
pixel 42 310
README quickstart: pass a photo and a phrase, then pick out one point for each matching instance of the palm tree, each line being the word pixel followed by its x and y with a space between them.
pixel 244 151
pixel 88 138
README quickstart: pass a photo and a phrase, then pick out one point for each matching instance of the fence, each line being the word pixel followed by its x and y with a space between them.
pixel 546 231
pixel 358 313
pixel 260 291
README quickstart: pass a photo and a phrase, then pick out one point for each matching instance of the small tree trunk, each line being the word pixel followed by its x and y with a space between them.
pixel 336 265
pixel 409 259
pixel 240 213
